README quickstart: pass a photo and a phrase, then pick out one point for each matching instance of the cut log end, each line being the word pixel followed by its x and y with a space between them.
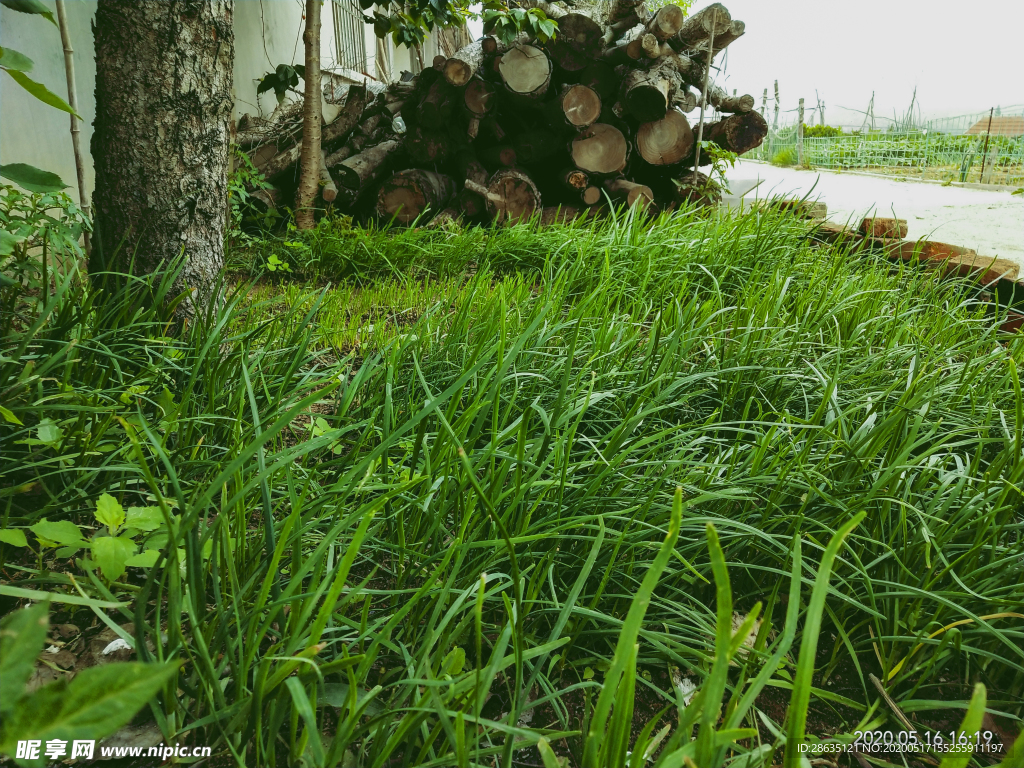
pixel 666 141
pixel 526 71
pixel 512 196
pixel 581 106
pixel 600 149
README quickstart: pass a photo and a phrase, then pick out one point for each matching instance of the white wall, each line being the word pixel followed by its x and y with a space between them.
pixel 267 33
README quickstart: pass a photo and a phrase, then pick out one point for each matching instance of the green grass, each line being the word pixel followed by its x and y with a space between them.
pixel 479 546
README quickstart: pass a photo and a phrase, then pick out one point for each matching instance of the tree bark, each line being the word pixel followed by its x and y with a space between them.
pixel 629 192
pixel 309 162
pixel 426 147
pixel 577 43
pixel 464 63
pixel 714 18
pixel 333 133
pixel 408 194
pixel 665 23
pixel 162 136
pixel 739 133
pixel 360 171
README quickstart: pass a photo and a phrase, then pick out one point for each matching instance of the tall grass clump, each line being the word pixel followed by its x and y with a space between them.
pixel 604 493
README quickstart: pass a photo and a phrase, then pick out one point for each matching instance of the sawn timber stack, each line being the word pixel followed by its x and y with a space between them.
pixel 596 117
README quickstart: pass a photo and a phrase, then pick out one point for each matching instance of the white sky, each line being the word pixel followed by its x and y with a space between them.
pixel 963 57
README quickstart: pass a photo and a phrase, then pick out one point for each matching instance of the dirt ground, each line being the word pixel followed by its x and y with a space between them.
pixel 991 222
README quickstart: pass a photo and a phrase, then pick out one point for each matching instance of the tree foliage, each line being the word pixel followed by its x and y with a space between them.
pixel 409 23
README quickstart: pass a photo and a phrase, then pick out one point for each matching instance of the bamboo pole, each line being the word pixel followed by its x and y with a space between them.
pixel 76 144
pixel 800 135
pixel 704 95
pixel 984 153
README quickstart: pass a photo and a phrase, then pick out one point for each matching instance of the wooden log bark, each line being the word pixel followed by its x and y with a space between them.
pixel 714 18
pixel 600 149
pixel 534 146
pixel 336 157
pixel 578 41
pixel 700 192
pixel 498 155
pixel 464 63
pixel 328 189
pixel 736 104
pixel 472 203
pixel 629 192
pixel 736 30
pixel 412 192
pixel 576 106
pixel 426 147
pixel 361 171
pixel 739 133
pixel 667 141
pixel 526 72
pixel 665 23
pixel 436 106
pixel 330 135
pixel 449 217
pixel 647 94
pixel 600 76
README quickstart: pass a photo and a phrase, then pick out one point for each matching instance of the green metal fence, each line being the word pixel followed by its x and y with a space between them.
pixel 922 154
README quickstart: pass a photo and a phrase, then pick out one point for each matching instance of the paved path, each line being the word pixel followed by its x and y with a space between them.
pixel 990 222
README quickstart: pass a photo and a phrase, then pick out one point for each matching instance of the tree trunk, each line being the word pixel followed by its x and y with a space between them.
pixel 309 163
pixel 408 194
pixel 739 133
pixel 731 104
pixel 714 18
pixel 360 171
pixel 460 68
pixel 647 94
pixel 600 149
pixel 629 192
pixel 577 43
pixel 666 141
pixel 162 136
pixel 665 23
pixel 472 203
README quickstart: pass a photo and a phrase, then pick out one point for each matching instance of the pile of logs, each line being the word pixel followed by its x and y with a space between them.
pixel 596 116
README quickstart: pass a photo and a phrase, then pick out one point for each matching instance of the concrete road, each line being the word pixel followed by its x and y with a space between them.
pixel 991 222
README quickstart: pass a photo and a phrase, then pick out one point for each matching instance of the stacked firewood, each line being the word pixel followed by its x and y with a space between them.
pixel 595 116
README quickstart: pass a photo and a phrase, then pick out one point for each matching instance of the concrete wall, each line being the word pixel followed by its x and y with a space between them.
pixel 267 33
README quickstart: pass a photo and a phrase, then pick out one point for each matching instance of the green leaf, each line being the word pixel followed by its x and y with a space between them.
pixel 48 432
pixel 11 59
pixel 110 512
pixel 7 243
pixel 144 518
pixel 31 178
pixel 42 93
pixel 94 705
pixel 30 6
pixel 57 597
pixel 13 536
pixel 145 559
pixel 22 634
pixel 111 554
pixel 62 531
pixel 9 417
pixel 971 724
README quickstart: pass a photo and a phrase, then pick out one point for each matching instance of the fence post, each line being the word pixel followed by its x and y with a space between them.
pixel 984 152
pixel 924 162
pixel 800 135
